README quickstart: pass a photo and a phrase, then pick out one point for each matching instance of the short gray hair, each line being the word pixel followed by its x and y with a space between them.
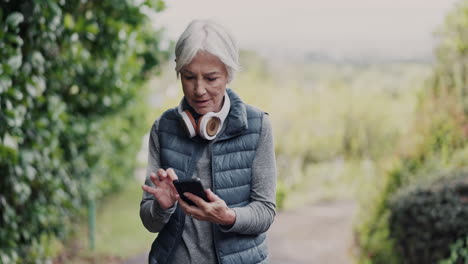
pixel 211 37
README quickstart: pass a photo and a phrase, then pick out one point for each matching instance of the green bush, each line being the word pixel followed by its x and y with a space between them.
pixel 442 151
pixel 71 115
pixel 425 220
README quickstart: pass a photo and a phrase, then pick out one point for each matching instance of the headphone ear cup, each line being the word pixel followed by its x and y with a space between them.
pixel 189 122
pixel 199 127
pixel 208 126
pixel 213 126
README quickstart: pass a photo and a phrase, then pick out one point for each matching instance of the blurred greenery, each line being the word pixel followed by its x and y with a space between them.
pixel 71 117
pixel 120 212
pixel 339 124
pixel 436 144
pixel 119 232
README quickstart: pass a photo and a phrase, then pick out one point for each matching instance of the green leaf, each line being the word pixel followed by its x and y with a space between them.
pixel 31 90
pixel 26 68
pixel 31 172
pixel 18 95
pixel 8 104
pixel 160 6
pixel 15 39
pixel 37 60
pixel 40 84
pixel 15 62
pixel 10 142
pixel 5 83
pixel 93 28
pixel 36 86
pixel 14 19
pixel 68 21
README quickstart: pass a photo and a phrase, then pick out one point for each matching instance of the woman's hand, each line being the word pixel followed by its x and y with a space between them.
pixel 165 192
pixel 215 211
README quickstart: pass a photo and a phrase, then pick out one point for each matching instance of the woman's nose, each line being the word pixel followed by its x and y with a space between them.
pixel 200 89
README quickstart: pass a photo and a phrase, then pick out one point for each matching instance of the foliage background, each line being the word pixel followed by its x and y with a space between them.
pixel 71 120
pixel 436 145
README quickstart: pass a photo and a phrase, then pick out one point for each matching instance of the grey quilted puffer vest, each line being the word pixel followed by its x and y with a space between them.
pixel 232 155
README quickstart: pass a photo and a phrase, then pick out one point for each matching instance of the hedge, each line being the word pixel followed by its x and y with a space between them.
pixel 425 220
pixel 71 111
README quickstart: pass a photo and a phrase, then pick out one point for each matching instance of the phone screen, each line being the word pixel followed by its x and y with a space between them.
pixel 192 186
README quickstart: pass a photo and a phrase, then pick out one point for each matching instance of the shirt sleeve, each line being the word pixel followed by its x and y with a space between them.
pixel 258 215
pixel 152 215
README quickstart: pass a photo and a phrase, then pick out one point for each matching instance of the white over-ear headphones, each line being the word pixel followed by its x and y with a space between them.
pixel 209 125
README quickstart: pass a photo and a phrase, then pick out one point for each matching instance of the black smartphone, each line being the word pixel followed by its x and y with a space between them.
pixel 192 186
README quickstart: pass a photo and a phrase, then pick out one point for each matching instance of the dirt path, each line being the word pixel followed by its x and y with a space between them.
pixel 319 233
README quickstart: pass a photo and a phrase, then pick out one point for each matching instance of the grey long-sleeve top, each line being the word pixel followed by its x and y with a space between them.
pixel 256 217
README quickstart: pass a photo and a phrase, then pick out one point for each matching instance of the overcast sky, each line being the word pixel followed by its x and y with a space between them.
pixel 382 28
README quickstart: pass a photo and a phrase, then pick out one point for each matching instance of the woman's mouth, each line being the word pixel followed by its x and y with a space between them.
pixel 201 103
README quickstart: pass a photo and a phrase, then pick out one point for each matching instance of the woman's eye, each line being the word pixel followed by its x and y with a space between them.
pixel 211 79
pixel 188 77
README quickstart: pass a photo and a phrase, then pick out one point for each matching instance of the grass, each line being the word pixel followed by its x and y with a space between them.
pixel 119 232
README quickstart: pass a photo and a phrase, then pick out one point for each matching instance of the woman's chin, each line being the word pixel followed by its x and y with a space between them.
pixel 203 110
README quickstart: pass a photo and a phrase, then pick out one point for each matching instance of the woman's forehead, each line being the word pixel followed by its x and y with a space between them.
pixel 205 63
pixel 214 72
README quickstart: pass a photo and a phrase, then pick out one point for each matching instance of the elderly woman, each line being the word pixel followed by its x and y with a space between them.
pixel 214 136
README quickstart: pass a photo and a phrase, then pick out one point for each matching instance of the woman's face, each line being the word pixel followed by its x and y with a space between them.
pixel 204 82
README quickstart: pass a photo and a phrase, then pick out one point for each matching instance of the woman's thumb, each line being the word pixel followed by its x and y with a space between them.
pixel 211 195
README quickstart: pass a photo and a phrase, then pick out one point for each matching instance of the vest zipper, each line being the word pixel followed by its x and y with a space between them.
pixel 213 188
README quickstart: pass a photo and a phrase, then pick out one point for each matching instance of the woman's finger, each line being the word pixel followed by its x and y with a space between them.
pixel 212 196
pixel 154 179
pixel 173 188
pixel 185 206
pixel 191 210
pixel 149 189
pixel 162 174
pixel 168 181
pixel 172 174
pixel 156 192
pixel 196 199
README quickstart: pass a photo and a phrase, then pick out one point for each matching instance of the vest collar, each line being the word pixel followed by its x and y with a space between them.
pixel 236 121
pixel 186 106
